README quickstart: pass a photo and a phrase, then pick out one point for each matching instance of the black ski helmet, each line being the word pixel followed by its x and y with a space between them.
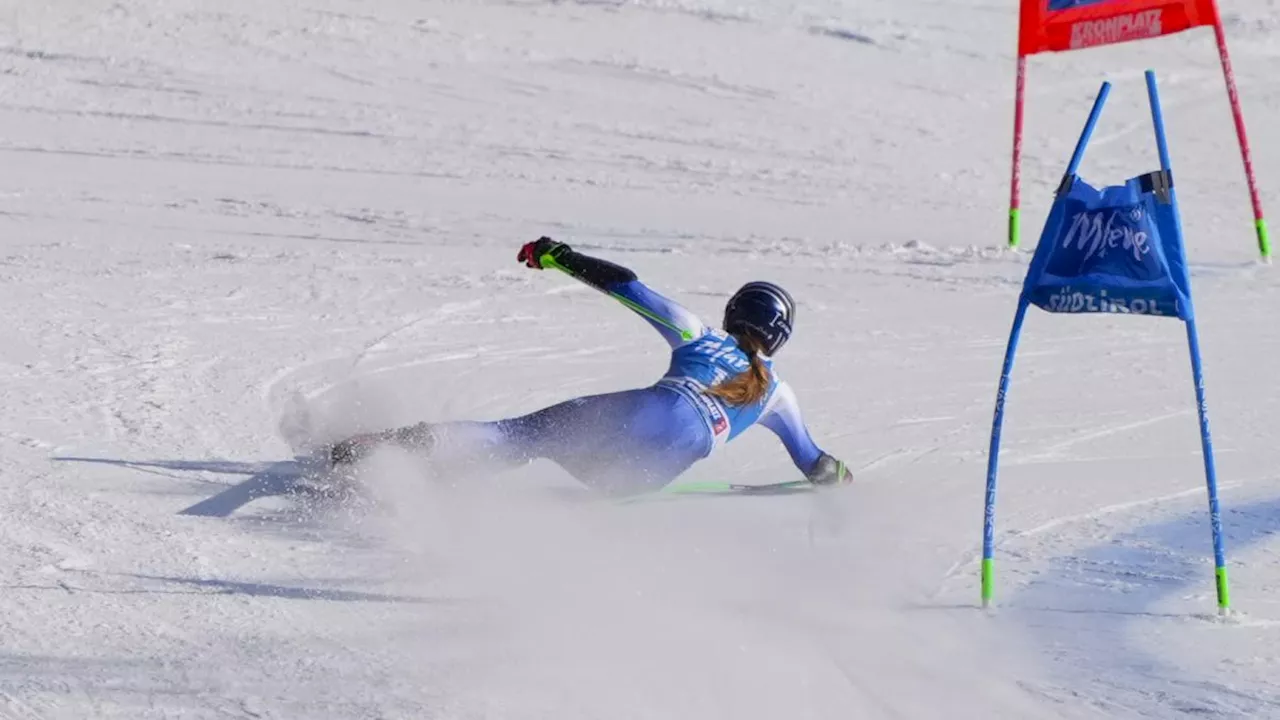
pixel 763 310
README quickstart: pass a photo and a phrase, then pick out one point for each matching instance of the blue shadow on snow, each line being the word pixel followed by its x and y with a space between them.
pixel 266 479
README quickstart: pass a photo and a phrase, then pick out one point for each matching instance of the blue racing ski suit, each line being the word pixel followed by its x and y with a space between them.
pixel 641 439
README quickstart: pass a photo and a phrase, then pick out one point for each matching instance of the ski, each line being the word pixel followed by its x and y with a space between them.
pixel 715 487
pixel 775 488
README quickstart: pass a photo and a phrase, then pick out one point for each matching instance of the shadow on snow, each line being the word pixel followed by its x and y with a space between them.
pixel 266 479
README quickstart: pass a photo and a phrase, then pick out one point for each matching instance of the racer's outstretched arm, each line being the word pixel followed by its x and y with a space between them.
pixel 676 324
pixel 783 417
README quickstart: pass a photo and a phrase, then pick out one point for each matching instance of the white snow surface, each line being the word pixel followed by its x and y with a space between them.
pixel 231 229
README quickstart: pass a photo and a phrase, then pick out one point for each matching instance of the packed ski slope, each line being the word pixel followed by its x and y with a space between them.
pixel 228 230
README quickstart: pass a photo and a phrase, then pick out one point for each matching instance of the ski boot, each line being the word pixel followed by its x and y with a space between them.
pixel 416 438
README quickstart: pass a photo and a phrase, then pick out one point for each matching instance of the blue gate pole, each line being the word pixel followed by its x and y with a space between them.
pixel 1210 472
pixel 1197 372
pixel 1090 124
pixel 993 457
pixel 997 423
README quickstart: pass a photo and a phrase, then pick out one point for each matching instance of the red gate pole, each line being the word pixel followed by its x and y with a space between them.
pixel 1260 223
pixel 1014 190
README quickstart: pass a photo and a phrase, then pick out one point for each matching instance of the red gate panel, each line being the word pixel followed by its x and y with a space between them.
pixel 1059 25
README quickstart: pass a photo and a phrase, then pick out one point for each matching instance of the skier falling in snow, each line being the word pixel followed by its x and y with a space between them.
pixel 719 383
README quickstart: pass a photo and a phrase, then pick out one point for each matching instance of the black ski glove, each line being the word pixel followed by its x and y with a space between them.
pixel 829 471
pixel 531 253
pixel 600 274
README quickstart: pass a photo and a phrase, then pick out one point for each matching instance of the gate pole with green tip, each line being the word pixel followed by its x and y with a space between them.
pixel 1197 374
pixel 1015 201
pixel 1260 223
pixel 1011 349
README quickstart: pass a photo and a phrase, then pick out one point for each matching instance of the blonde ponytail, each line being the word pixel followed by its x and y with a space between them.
pixel 748 386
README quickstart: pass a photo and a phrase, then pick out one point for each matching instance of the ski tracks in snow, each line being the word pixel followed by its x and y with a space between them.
pixel 11 708
pixel 1122 576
